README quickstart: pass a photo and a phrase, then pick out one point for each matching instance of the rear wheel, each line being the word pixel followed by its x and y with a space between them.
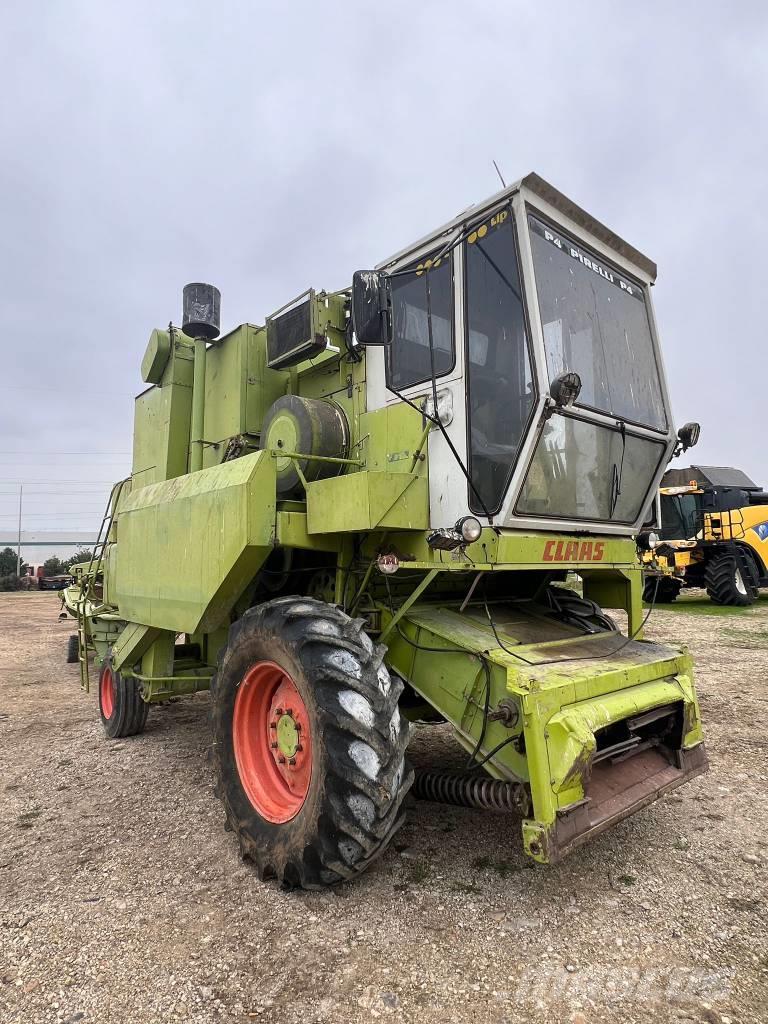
pixel 661 589
pixel 726 583
pixel 73 649
pixel 308 742
pixel 123 712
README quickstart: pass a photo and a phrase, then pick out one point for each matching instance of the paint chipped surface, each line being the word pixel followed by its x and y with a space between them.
pixel 366 758
pixel 385 683
pixel 345 662
pixel 357 706
pixel 362 808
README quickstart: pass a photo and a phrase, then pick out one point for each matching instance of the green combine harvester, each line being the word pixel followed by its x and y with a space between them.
pixel 362 514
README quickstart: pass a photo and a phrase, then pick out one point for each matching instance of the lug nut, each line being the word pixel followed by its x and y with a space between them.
pixel 281 759
pixel 274 746
pixel 299 747
pixel 273 725
pixel 278 711
pixel 292 760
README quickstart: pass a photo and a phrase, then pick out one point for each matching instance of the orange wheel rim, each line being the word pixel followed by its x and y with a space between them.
pixel 107 691
pixel 272 742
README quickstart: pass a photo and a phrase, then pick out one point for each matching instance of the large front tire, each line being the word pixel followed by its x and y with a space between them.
pixel 308 743
pixel 726 583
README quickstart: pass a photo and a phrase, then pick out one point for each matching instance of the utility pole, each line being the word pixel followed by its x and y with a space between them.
pixel 18 545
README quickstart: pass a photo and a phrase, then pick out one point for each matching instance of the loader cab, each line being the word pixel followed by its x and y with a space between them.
pixel 511 296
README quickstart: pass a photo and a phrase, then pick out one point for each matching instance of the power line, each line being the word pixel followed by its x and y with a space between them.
pixel 24 387
pixel 103 451
pixel 26 481
pixel 86 496
pixel 78 488
pixel 66 507
pixel 81 495
pixel 32 462
pixel 92 514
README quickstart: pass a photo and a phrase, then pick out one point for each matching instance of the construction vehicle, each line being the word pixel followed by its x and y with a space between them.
pixel 357 515
pixel 712 524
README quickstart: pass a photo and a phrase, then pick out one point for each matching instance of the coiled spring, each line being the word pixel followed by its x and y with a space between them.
pixel 470 791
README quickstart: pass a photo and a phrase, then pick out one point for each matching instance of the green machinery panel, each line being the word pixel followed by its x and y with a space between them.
pixel 239 389
pixel 187 548
pixel 390 491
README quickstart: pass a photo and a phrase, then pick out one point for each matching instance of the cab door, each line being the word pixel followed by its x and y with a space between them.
pixel 426 325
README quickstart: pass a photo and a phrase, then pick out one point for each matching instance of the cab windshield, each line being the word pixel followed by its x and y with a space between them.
pixel 595 323
pixel 679 516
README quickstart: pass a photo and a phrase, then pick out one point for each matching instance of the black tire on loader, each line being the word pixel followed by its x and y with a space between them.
pixel 308 743
pixel 725 581
pixel 73 649
pixel 122 711
pixel 661 589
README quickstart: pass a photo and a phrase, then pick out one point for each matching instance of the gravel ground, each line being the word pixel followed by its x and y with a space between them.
pixel 123 899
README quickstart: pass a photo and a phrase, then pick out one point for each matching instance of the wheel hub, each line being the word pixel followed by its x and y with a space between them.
pixel 740 584
pixel 107 691
pixel 287 732
pixel 272 743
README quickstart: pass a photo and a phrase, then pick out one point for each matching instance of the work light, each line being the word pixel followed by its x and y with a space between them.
pixel 469 528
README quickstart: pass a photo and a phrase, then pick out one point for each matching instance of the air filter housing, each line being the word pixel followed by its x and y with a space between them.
pixel 201 317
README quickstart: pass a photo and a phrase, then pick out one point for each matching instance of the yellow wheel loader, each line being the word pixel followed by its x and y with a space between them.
pixel 712 532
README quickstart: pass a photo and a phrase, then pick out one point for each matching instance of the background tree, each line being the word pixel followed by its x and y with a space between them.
pixel 8 562
pixel 82 555
pixel 54 567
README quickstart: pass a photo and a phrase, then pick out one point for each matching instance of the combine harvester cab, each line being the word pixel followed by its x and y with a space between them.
pixel 372 510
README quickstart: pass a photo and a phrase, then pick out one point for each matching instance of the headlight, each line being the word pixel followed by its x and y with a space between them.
pixel 469 528
pixel 648 541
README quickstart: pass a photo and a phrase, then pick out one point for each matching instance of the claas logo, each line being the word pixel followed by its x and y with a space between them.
pixel 573 551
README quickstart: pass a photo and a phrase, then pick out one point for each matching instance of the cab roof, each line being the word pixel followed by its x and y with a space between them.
pixel 538 186
pixel 709 476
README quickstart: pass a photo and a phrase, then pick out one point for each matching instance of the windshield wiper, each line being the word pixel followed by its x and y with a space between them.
pixel 618 471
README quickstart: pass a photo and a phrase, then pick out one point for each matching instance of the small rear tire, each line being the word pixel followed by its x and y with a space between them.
pixel 73 649
pixel 725 582
pixel 308 743
pixel 661 589
pixel 122 711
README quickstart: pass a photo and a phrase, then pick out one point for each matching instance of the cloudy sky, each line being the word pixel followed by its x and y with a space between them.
pixel 268 147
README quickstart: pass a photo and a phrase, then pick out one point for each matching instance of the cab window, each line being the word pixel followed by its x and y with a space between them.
pixel 500 392
pixel 408 357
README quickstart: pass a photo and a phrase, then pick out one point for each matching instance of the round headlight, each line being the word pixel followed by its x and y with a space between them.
pixel 648 541
pixel 469 528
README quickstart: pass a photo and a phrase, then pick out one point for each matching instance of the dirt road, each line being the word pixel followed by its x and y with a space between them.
pixel 123 899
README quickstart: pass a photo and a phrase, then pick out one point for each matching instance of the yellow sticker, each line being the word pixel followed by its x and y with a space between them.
pixel 482 230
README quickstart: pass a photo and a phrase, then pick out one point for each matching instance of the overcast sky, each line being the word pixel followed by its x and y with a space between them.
pixel 269 147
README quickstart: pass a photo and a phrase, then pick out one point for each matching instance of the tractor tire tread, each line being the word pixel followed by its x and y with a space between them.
pixel 665 591
pixel 129 714
pixel 366 776
pixel 73 649
pixel 719 576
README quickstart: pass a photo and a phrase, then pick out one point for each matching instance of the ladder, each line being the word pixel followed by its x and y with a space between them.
pixel 88 596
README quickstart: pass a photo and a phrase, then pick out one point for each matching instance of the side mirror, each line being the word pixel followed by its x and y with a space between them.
pixel 565 389
pixel 371 302
pixel 688 435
